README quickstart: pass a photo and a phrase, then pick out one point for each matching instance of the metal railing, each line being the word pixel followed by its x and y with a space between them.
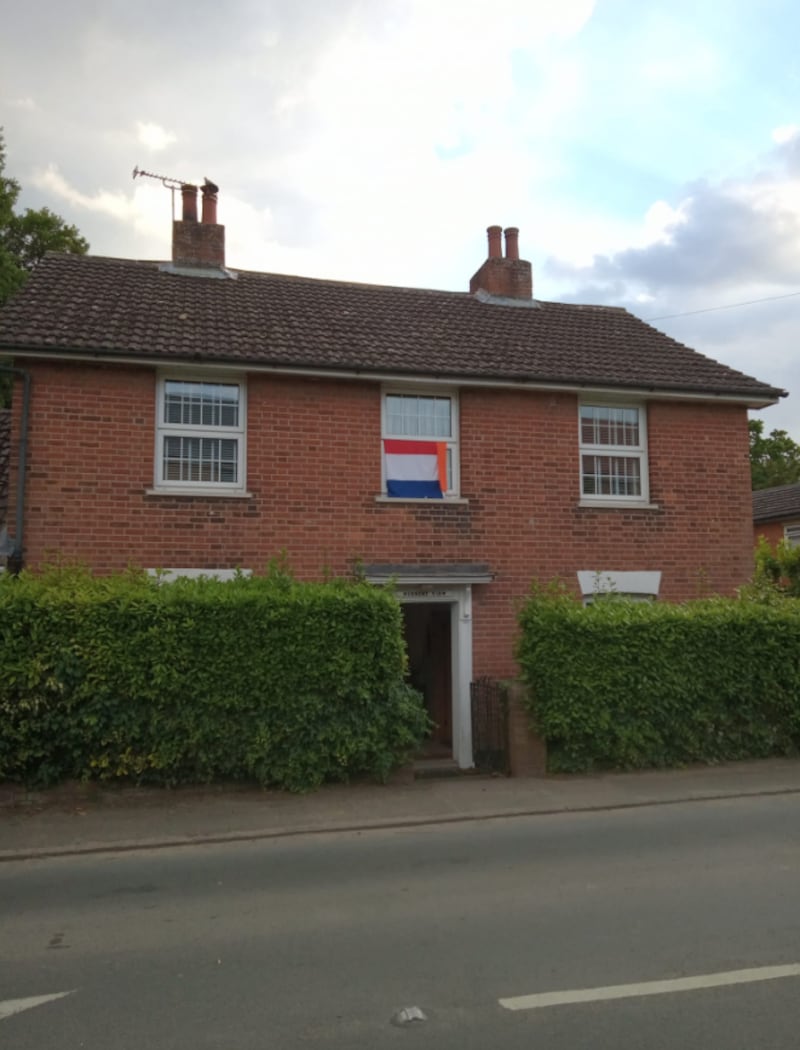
pixel 489 726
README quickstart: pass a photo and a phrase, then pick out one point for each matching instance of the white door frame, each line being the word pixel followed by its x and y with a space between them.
pixel 459 598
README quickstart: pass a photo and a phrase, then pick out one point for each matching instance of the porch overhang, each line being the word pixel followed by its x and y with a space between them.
pixel 444 573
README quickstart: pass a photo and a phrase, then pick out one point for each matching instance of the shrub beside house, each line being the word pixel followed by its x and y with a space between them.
pixel 631 685
pixel 259 679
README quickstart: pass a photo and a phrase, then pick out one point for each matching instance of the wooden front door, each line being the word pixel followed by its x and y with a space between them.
pixel 428 638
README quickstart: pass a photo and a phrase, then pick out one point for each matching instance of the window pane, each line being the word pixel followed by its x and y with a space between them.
pixel 199 460
pixel 409 415
pixel 611 476
pixel 606 425
pixel 201 404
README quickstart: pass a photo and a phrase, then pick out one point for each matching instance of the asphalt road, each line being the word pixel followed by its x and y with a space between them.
pixel 317 941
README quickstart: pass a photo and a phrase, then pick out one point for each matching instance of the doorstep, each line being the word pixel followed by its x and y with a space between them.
pixel 428 768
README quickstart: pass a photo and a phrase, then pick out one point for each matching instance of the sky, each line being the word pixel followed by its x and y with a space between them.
pixel 648 152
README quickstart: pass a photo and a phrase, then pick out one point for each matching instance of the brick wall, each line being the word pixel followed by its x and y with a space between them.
pixel 772 531
pixel 313 469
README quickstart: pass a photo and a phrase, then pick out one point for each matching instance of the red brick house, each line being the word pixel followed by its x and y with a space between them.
pixel 187 416
pixel 776 514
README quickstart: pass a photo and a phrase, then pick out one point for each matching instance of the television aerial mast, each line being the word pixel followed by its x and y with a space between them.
pixel 165 180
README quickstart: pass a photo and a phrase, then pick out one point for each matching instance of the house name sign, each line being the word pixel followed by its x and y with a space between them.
pixel 430 594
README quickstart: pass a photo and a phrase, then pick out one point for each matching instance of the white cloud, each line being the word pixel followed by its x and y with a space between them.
pixel 435 78
pixel 412 128
pixel 114 204
pixel 660 222
pixel 785 133
pixel 146 211
pixel 25 103
pixel 153 136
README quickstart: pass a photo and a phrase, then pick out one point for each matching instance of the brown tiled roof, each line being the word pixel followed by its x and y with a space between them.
pixel 776 504
pixel 5 446
pixel 74 304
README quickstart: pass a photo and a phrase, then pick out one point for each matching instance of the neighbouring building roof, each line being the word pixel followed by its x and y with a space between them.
pixel 78 305
pixel 5 444
pixel 776 504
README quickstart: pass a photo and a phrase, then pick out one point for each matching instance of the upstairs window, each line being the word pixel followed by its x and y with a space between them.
pixel 200 440
pixel 420 445
pixel 613 453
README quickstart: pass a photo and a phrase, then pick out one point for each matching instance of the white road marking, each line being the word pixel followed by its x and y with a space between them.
pixel 15 1006
pixel 627 991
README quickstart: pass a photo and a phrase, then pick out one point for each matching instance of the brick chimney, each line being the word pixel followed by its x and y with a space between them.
pixel 198 245
pixel 509 277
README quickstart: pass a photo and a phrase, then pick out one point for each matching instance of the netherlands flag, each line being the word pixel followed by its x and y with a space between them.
pixel 415 469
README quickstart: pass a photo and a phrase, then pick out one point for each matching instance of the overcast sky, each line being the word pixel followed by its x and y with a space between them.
pixel 648 152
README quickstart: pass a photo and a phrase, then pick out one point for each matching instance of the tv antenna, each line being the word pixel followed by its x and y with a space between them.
pixel 165 180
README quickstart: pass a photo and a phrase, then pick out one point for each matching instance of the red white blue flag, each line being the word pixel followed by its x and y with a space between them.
pixel 415 469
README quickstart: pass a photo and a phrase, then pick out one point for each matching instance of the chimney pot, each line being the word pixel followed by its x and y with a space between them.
pixel 210 201
pixel 503 278
pixel 198 244
pixel 189 196
pixel 512 242
pixel 495 250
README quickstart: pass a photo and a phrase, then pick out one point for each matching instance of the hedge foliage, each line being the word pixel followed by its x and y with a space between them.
pixel 628 685
pixel 257 679
pixel 777 572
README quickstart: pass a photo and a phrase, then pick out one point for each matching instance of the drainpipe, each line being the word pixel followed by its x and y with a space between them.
pixel 15 554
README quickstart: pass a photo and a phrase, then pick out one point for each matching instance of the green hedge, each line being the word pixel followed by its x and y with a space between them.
pixel 258 679
pixel 628 685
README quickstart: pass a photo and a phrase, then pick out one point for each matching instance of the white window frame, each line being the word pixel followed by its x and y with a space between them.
pixel 638 452
pixel 452 442
pixel 791 534
pixel 164 430
pixel 636 586
pixel 170 575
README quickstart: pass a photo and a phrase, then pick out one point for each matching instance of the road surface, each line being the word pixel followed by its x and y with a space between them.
pixel 663 926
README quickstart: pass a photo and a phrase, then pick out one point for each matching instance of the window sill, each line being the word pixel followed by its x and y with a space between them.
pixel 198 493
pixel 616 504
pixel 447 501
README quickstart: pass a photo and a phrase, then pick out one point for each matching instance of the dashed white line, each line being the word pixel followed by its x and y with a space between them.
pixel 15 1006
pixel 628 991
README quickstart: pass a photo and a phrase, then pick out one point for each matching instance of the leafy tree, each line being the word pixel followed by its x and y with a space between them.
pixel 30 235
pixel 11 273
pixel 774 458
pixel 24 239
